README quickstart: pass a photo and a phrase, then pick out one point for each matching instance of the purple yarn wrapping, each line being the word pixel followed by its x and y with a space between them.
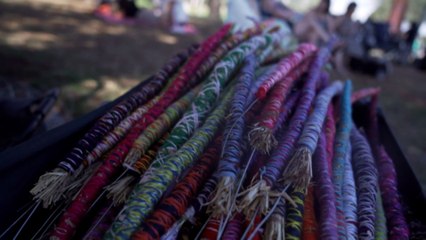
pixel 235 124
pixel 324 191
pixel 287 144
pixel 106 123
pixel 315 121
pixel 350 198
pixel 234 229
pixel 395 219
pixel 367 182
pixel 202 198
pixel 287 109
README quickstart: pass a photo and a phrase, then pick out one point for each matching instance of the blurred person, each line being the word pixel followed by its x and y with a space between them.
pixel 344 25
pixel 317 26
pixel 126 13
pixel 176 20
pixel 346 30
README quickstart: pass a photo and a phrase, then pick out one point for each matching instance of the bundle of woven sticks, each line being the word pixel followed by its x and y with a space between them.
pixel 241 137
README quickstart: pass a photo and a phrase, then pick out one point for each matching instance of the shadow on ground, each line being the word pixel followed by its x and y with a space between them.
pixel 46 46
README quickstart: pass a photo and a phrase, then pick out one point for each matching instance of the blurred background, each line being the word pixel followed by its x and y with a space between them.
pixel 66 58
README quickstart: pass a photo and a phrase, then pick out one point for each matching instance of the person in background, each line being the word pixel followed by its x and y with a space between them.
pixel 317 26
pixel 344 25
pixel 176 20
pixel 171 12
pixel 346 29
pixel 126 13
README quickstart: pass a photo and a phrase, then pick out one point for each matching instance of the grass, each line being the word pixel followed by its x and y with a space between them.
pixel 47 44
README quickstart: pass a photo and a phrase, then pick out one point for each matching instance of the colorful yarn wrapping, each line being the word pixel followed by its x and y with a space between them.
pixel 324 191
pixel 194 208
pixel 174 206
pixel 203 197
pixel 299 169
pixel 197 205
pixel 51 186
pixel 209 93
pixel 330 132
pixel 119 132
pixel 285 66
pixel 367 183
pixel 276 225
pixel 156 129
pixel 109 141
pixel 381 230
pixel 395 220
pixel 147 194
pixel 396 223
pixel 234 229
pixel 350 198
pixel 211 230
pixel 102 221
pixel 310 227
pixel 232 151
pixel 112 118
pixel 78 208
pixel 294 221
pixel 287 109
pixel 116 157
pixel 261 137
pixel 261 76
pixel 120 189
pixel 259 192
pixel 87 195
pixel 340 147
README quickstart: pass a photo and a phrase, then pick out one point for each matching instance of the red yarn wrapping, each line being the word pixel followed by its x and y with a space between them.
pixel 211 230
pixel 310 227
pixel 258 235
pixel 279 92
pixel 285 66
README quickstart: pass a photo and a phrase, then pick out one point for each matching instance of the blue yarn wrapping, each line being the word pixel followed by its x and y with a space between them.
pixel 312 128
pixel 367 184
pixel 340 147
pixel 350 198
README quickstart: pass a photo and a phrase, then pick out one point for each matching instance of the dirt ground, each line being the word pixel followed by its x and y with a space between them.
pixel 46 44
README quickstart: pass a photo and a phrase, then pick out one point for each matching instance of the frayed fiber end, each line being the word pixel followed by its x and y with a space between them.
pixel 132 157
pixel 299 169
pixel 120 190
pixel 50 186
pixel 255 199
pixel 275 228
pixel 262 139
pixel 222 202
